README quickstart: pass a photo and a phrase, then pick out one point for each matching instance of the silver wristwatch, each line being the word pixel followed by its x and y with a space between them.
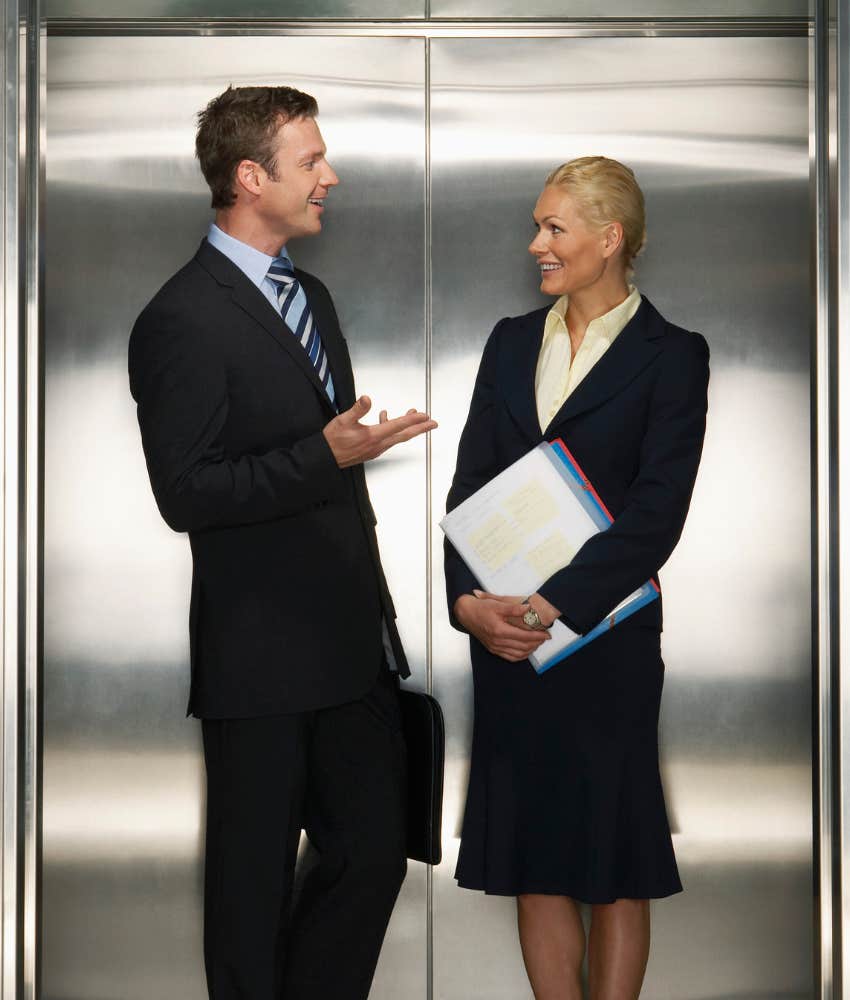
pixel 532 619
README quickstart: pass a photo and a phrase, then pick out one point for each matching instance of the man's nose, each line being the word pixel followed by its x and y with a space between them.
pixel 329 177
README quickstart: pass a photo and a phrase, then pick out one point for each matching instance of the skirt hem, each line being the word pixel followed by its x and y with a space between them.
pixel 589 898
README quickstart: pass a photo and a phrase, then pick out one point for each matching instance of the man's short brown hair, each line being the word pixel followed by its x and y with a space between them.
pixel 241 124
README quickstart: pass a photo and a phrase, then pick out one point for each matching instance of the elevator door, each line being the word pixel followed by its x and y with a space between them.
pixel 716 129
pixel 126 206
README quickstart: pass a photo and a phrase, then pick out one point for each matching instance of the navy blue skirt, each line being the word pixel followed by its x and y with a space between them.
pixel 565 794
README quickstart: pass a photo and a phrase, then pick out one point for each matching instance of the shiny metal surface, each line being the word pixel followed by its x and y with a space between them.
pixel 11 367
pixel 838 24
pixel 717 131
pixel 126 207
pixel 643 9
pixel 825 482
pixel 33 506
pixel 21 494
pixel 310 9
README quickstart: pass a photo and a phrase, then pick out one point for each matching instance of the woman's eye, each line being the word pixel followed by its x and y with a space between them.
pixel 556 231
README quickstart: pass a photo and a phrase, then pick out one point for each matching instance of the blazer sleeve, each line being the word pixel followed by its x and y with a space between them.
pixel 182 402
pixel 476 465
pixel 615 562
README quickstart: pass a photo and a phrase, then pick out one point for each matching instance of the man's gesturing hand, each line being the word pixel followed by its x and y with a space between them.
pixel 492 621
pixel 352 442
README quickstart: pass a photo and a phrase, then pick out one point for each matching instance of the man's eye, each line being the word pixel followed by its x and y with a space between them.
pixel 556 230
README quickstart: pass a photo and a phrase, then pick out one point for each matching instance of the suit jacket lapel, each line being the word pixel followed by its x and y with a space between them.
pixel 249 298
pixel 631 352
pixel 519 359
pixel 325 319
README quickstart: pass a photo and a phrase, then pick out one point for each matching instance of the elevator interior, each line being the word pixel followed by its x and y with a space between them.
pixel 442 140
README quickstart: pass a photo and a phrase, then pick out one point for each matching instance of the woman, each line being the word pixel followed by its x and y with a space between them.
pixel 565 803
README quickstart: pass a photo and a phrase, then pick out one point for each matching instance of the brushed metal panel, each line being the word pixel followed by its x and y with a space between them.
pixel 717 131
pixel 636 9
pixel 362 10
pixel 126 207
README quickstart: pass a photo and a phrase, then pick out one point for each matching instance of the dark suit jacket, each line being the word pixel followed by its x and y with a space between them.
pixel 635 424
pixel 287 588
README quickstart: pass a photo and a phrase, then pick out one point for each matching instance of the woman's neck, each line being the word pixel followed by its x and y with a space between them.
pixel 590 303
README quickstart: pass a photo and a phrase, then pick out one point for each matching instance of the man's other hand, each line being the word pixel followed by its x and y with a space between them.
pixel 352 442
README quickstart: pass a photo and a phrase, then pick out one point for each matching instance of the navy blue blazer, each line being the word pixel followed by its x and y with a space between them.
pixel 635 424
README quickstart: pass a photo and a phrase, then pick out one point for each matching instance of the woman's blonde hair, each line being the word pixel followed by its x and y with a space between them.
pixel 606 191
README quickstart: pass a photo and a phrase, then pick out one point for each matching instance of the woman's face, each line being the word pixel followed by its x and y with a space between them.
pixel 571 256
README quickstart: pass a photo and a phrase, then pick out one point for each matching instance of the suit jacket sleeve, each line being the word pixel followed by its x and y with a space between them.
pixel 613 563
pixel 476 465
pixel 180 388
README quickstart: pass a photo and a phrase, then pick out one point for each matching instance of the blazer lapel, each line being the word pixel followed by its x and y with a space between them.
pixel 520 364
pixel 332 339
pixel 631 352
pixel 250 299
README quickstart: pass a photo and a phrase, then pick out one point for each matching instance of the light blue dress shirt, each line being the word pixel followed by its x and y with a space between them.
pixel 255 264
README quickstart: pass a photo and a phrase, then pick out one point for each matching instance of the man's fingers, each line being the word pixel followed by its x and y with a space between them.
pixel 356 412
pixel 417 424
pixel 400 424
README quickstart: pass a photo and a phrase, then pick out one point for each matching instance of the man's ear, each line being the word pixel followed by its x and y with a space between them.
pixel 248 177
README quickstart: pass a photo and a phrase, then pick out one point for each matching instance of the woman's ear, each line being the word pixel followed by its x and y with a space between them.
pixel 612 238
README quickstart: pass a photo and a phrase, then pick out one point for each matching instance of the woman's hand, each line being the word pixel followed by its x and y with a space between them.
pixel 496 622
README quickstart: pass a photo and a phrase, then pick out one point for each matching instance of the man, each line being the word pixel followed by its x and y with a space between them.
pixel 254 445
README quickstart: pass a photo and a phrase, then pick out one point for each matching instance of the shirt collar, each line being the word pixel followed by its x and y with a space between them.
pixel 252 262
pixel 608 325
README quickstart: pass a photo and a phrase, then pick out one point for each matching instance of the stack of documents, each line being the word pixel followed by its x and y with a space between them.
pixel 525 525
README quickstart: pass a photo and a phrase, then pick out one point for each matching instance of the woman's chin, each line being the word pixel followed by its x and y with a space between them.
pixel 550 286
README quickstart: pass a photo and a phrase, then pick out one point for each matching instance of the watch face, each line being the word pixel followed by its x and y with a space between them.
pixel 531 618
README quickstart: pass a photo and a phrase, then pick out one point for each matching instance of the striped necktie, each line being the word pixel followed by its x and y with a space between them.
pixel 295 312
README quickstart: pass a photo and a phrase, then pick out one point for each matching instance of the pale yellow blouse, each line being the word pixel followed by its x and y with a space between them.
pixel 558 373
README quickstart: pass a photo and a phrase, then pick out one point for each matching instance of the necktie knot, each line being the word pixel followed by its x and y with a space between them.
pixel 281 270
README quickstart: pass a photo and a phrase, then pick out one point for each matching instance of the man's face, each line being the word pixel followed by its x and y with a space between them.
pixel 292 204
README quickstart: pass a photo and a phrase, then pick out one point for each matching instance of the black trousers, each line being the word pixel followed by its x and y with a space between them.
pixel 339 774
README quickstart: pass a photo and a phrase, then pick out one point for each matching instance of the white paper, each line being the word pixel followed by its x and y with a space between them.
pixel 520 528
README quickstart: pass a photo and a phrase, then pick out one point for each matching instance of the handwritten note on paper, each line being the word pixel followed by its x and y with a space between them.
pixel 496 542
pixel 552 554
pixel 532 507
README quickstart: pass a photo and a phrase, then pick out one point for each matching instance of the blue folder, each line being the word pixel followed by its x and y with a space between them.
pixel 581 487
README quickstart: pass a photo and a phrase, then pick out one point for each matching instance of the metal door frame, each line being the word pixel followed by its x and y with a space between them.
pixel 24 35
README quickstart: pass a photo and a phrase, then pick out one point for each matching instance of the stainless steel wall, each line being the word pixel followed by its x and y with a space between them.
pixel 410 9
pixel 717 130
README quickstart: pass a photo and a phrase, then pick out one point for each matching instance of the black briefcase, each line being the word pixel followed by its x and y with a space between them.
pixel 425 735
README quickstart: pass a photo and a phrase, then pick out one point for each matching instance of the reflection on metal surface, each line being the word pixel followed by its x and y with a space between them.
pixel 361 10
pixel 122 769
pixel 12 387
pixel 717 132
pixel 644 9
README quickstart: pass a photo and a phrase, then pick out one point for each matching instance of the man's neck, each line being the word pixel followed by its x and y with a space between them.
pixel 249 230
